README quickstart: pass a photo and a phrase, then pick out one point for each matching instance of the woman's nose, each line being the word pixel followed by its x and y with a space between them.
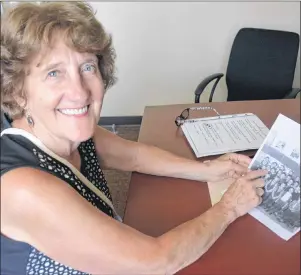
pixel 79 90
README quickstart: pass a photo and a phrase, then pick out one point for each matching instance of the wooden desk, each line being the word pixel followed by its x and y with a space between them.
pixel 157 204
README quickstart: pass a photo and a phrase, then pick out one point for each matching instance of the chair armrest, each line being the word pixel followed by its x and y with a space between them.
pixel 293 93
pixel 201 87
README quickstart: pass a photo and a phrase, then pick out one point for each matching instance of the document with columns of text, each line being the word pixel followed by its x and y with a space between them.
pixel 223 134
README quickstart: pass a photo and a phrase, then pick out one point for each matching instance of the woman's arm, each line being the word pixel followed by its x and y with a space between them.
pixel 121 154
pixel 42 210
pixel 118 153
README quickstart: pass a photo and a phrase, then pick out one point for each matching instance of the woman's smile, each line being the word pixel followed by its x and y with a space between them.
pixel 78 112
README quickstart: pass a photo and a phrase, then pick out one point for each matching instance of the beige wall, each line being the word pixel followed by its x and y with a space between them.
pixel 164 49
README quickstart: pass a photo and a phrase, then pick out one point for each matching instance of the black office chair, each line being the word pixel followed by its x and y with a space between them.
pixel 261 66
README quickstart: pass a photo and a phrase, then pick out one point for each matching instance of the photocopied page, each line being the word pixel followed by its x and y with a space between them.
pixel 223 134
pixel 280 155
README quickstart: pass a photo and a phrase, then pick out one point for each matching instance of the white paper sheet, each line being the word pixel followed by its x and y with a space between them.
pixel 281 147
pixel 224 134
pixel 280 155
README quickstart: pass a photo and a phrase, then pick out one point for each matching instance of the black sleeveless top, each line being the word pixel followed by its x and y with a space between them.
pixel 18 258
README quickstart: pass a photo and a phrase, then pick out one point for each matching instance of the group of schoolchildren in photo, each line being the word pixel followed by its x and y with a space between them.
pixel 281 200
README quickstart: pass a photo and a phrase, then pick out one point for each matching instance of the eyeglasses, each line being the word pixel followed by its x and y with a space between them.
pixel 185 114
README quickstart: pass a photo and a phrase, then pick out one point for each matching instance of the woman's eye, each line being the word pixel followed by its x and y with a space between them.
pixel 89 68
pixel 53 74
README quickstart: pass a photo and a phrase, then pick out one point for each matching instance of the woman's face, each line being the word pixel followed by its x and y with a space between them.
pixel 65 92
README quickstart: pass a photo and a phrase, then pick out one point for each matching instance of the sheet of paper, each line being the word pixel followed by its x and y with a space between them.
pixel 229 133
pixel 280 155
pixel 217 189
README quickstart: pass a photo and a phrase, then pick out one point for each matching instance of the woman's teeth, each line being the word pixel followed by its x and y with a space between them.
pixel 74 111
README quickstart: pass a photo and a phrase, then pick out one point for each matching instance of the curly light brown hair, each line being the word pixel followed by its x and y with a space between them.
pixel 28 27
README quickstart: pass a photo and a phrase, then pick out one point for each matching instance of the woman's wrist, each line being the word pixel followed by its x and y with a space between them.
pixel 228 211
pixel 204 171
pixel 200 171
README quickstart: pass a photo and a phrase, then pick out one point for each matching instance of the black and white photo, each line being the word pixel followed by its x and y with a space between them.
pixel 279 155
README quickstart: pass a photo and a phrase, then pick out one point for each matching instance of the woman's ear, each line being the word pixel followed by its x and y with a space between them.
pixel 20 101
pixel 20 95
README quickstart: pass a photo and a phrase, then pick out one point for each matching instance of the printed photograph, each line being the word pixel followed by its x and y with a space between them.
pixel 280 145
pixel 280 156
pixel 281 200
pixel 295 154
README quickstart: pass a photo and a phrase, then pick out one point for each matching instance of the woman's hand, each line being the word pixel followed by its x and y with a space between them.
pixel 244 194
pixel 227 166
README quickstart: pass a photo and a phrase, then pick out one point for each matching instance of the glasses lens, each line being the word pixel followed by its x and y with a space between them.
pixel 185 114
pixel 179 121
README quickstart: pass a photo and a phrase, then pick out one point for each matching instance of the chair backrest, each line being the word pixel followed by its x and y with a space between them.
pixel 262 64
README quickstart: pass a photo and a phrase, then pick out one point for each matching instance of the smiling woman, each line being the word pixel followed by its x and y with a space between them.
pixel 57 214
pixel 33 26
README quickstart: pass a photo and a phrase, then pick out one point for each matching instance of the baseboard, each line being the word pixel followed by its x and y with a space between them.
pixel 120 120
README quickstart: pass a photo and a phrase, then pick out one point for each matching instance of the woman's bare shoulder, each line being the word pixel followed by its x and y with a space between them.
pixel 39 209
pixel 28 193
